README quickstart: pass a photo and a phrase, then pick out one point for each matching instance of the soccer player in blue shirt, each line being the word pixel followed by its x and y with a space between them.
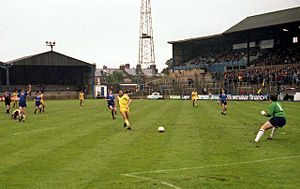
pixel 223 101
pixel 38 105
pixel 22 102
pixel 111 104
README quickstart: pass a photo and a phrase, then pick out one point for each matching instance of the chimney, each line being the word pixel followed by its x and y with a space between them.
pixel 122 67
pixel 153 68
pixel 138 69
pixel 127 66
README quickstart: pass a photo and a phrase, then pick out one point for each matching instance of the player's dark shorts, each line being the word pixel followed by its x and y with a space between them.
pixel 7 103
pixel 278 121
pixel 37 103
pixel 23 105
pixel 223 102
pixel 111 105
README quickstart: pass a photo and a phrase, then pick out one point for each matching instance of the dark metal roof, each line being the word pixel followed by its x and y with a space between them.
pixel 268 19
pixel 49 58
pixel 285 16
pixel 196 39
pixel 22 58
pixel 2 64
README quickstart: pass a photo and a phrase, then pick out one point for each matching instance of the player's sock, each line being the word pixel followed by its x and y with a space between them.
pixel 272 132
pixel 125 125
pixel 35 111
pixel 259 135
pixel 112 114
pixel 127 122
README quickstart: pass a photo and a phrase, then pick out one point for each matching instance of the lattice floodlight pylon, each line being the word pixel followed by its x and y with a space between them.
pixel 146 43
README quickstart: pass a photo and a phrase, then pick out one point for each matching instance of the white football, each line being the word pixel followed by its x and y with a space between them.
pixel 263 112
pixel 161 129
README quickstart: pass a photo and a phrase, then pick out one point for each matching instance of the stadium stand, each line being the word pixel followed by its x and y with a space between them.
pixel 260 53
pixel 60 76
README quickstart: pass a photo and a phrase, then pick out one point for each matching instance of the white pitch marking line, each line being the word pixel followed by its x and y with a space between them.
pixel 212 166
pixel 34 131
pixel 153 180
pixel 134 175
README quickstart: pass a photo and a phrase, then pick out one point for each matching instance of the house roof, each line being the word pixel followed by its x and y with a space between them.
pixel 107 71
pixel 147 72
pixel 131 71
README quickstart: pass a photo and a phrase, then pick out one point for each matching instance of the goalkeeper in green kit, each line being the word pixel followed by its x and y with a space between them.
pixel 277 119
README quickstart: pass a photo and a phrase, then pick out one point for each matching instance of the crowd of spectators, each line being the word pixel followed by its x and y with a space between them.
pixel 271 65
pixel 284 74
pixel 277 56
pixel 277 65
pixel 234 55
pixel 258 57
pixel 229 56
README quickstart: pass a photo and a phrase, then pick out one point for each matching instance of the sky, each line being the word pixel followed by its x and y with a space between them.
pixel 106 32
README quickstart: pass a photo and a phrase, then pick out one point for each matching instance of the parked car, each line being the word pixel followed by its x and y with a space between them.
pixel 155 96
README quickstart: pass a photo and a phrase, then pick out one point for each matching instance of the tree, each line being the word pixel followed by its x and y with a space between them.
pixel 170 65
pixel 116 77
pixel 165 71
pixel 137 80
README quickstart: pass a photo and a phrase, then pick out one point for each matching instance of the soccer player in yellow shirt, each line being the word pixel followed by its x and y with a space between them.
pixel 81 98
pixel 15 98
pixel 15 114
pixel 42 100
pixel 124 102
pixel 194 96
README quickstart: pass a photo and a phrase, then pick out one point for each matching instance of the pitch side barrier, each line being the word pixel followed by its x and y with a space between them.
pixel 216 97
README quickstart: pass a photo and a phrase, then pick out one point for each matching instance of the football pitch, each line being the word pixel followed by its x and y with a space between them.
pixel 82 147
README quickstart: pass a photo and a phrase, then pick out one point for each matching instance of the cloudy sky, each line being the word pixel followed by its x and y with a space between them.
pixel 106 32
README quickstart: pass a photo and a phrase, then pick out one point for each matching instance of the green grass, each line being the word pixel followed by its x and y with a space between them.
pixel 74 147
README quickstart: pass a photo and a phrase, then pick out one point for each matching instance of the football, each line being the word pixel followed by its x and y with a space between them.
pixel 161 129
pixel 263 112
